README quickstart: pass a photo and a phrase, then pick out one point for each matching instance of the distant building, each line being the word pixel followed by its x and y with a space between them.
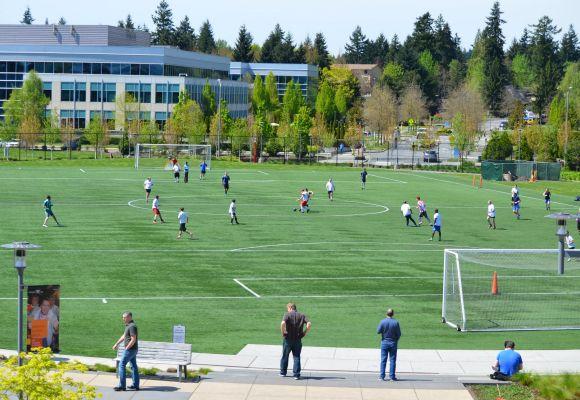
pixel 305 75
pixel 367 74
pixel 84 68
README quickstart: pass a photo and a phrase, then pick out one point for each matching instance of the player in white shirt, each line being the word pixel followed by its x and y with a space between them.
pixel 330 189
pixel 515 190
pixel 148 184
pixel 156 210
pixel 436 224
pixel 407 213
pixel 176 170
pixel 183 219
pixel 232 212
pixel 422 207
pixel 491 214
pixel 570 242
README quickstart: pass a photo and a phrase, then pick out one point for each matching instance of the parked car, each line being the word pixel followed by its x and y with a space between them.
pixel 430 156
pixel 503 125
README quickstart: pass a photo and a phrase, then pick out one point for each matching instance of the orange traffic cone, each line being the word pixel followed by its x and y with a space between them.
pixel 494 284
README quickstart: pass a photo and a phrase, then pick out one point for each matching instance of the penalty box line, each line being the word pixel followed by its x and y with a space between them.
pixel 256 295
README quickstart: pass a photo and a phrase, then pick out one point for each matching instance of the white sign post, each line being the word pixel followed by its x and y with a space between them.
pixel 178 334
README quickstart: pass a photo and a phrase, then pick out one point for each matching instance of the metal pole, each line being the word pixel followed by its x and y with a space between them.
pixel 20 310
pixel 561 256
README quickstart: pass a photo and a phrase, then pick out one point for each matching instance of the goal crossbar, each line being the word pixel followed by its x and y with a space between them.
pixel 200 152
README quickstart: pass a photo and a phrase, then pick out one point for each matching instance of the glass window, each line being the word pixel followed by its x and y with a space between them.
pixel 116 69
pixel 132 89
pixel 125 69
pixel 3 66
pixel 145 93
pixel 145 116
pixel 48 68
pixel 67 68
pixel 20 66
pixel 144 69
pixel 47 89
pixel 39 67
pixel 156 69
pixel 77 68
pixel 173 94
pixel 86 68
pixel 106 68
pixel 58 68
pixel 96 68
pixel 110 92
pixel 29 66
pixel 96 93
pixel 134 69
pixel 160 119
pixel 67 91
pixel 81 91
pixel 161 93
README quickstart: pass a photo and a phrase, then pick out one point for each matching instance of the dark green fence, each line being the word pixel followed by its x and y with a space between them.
pixel 520 170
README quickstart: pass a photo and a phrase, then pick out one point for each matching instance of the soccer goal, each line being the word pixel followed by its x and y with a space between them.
pixel 187 152
pixel 502 290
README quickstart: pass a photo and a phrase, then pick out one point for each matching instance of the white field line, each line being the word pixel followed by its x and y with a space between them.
pixel 390 179
pixel 149 298
pixel 83 171
pixel 262 172
pixel 354 278
pixel 247 288
pixel 485 188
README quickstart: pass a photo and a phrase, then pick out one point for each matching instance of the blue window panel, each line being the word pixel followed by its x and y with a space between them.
pixel 156 69
pixel 106 69
pixel 115 69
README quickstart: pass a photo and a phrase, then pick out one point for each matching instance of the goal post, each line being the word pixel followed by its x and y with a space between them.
pixel 188 152
pixel 509 289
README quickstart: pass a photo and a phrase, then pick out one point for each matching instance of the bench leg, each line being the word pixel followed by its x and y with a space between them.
pixel 185 372
pixel 179 373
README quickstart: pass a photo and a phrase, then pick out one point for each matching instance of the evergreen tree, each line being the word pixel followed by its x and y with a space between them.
pixel 27 17
pixel 185 35
pixel 271 47
pixel 545 62
pixel 164 30
pixel 309 51
pixel 205 41
pixel 321 49
pixel 356 50
pixel 300 53
pixel 377 51
pixel 285 53
pixel 129 22
pixel 243 49
pixel 62 21
pixel 423 36
pixel 46 21
pixel 569 50
pixel 520 46
pixel 494 70
pixel 445 48
pixel 208 104
pixel 394 49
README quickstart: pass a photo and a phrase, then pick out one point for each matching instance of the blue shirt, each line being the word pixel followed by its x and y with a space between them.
pixel 363 176
pixel 186 168
pixel 203 166
pixel 389 329
pixel 225 180
pixel 47 205
pixel 509 362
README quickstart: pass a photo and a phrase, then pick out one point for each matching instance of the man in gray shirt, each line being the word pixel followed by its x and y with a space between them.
pixel 390 332
pixel 130 339
pixel 292 328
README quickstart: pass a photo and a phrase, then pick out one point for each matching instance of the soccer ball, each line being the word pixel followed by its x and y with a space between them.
pixel 295 209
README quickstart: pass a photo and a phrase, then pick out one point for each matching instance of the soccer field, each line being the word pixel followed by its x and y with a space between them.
pixel 343 264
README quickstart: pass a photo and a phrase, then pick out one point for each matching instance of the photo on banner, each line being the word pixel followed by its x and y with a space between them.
pixel 43 316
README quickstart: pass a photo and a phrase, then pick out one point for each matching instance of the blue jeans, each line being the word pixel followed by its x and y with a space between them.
pixel 129 356
pixel 388 350
pixel 294 346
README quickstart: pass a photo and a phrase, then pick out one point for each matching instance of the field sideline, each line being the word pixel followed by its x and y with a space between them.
pixel 343 263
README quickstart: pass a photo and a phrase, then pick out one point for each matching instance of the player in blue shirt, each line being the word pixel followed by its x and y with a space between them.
pixel 226 182
pixel 47 204
pixel 363 178
pixel 186 172
pixel 508 362
pixel 516 205
pixel 202 168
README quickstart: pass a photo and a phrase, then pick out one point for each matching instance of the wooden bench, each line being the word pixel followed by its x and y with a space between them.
pixel 161 353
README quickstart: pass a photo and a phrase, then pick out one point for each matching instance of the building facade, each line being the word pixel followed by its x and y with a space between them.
pixel 304 75
pixel 367 74
pixel 86 69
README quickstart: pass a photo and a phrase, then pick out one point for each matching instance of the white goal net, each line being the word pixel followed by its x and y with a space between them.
pixel 496 290
pixel 165 152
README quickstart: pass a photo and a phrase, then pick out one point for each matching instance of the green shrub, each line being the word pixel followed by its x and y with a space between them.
pixel 554 387
pixel 570 175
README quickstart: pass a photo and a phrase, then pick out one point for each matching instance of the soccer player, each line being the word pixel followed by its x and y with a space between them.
pixel 330 189
pixel 232 212
pixel 48 212
pixel 304 198
pixel 436 224
pixel 363 178
pixel 226 182
pixel 515 190
pixel 156 211
pixel 186 172
pixel 148 184
pixel 516 205
pixel 176 170
pixel 547 198
pixel 202 168
pixel 183 219
pixel 422 211
pixel 407 213
pixel 491 214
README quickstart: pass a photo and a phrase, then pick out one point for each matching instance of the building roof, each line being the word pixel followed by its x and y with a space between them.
pixel 356 66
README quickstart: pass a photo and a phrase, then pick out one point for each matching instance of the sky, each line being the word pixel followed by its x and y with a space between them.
pixel 336 19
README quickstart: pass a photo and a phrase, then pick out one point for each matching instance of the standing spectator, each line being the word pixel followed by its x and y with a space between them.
pixel 363 178
pixel 183 219
pixel 390 332
pixel 233 213
pixel 422 207
pixel 547 198
pixel 491 214
pixel 436 224
pixel 508 362
pixel 186 172
pixel 330 189
pixel 292 328
pixel 47 204
pixel 147 185
pixel 131 342
pixel 407 213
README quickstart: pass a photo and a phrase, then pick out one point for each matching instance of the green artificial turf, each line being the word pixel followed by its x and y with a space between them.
pixel 109 249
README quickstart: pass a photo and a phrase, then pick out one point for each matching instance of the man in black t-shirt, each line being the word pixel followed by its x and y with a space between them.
pixel 131 342
pixel 292 328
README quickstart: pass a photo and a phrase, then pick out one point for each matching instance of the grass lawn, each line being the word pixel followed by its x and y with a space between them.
pixel 109 249
pixel 507 392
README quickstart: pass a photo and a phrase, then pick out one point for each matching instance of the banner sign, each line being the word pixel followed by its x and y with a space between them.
pixel 178 334
pixel 43 316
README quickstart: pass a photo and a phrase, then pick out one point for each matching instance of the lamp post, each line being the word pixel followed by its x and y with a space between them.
pixel 566 138
pixel 561 232
pixel 20 264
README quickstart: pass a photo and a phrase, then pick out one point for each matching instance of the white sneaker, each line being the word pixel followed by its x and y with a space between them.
pixel 46 226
